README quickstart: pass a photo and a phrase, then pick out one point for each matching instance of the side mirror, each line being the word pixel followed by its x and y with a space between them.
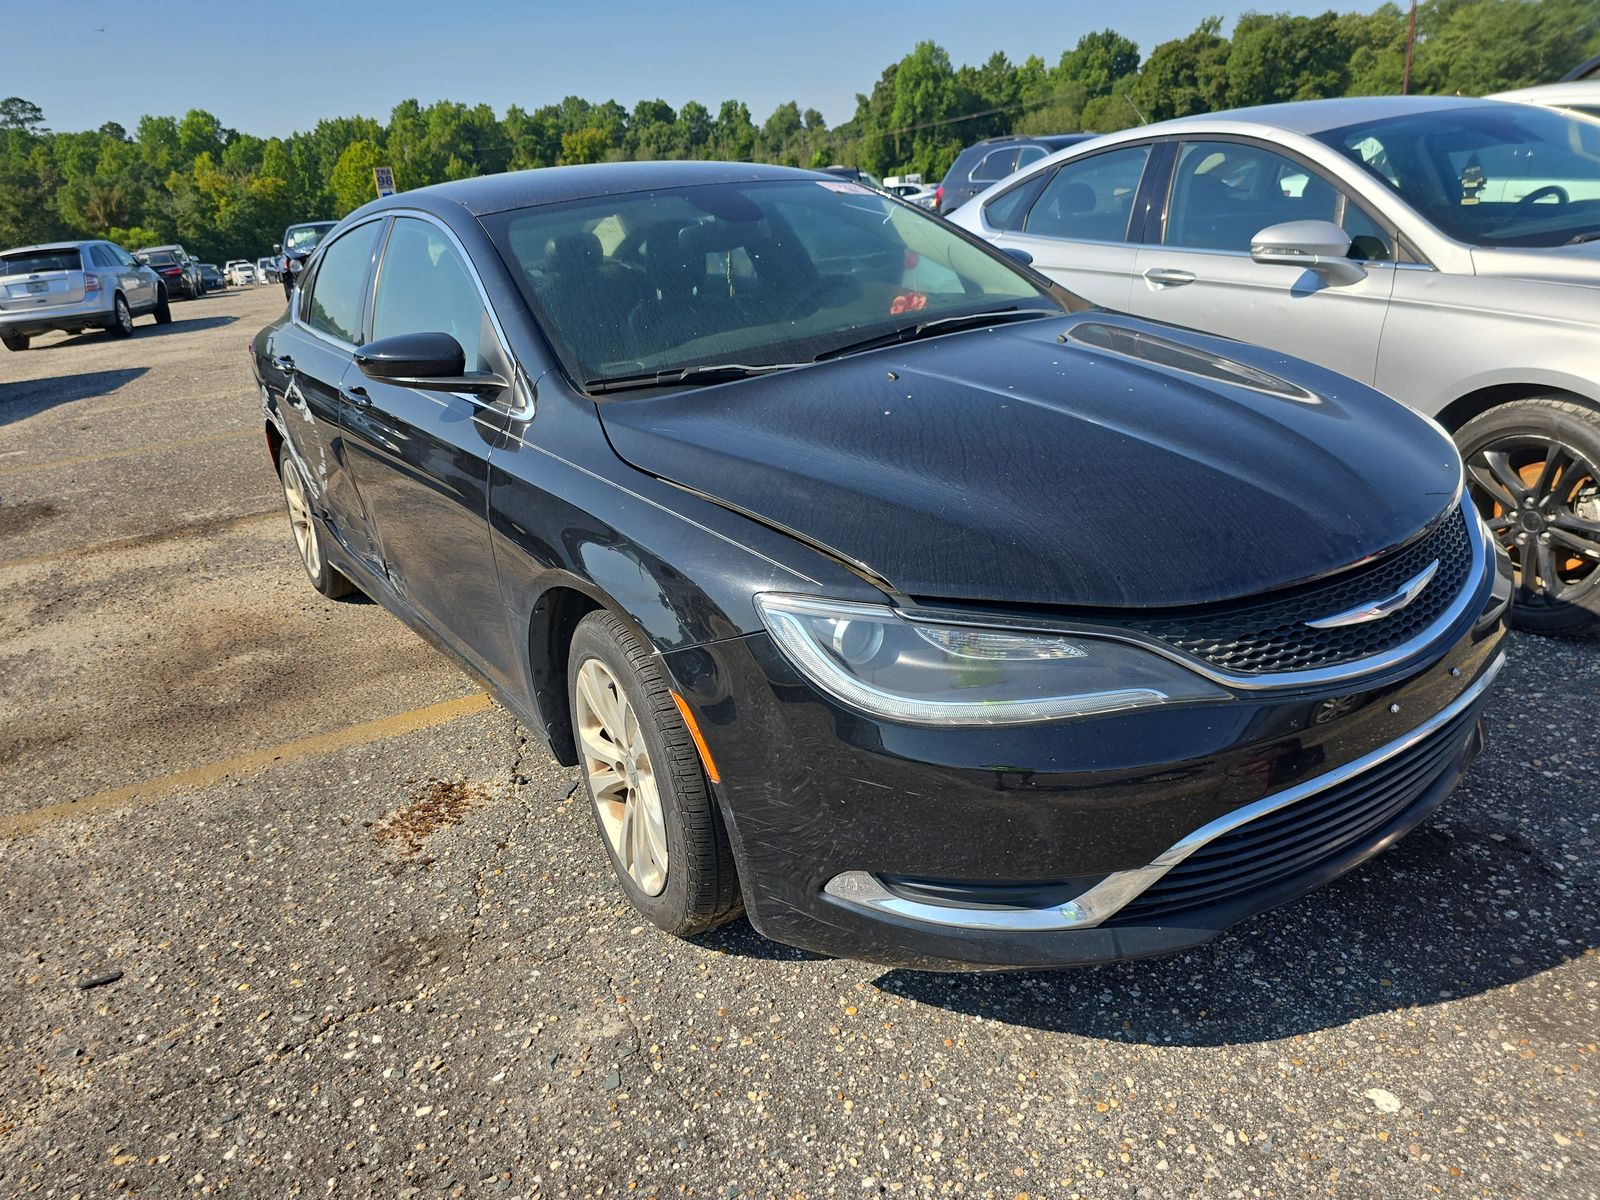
pixel 424 360
pixel 1022 256
pixel 1319 246
pixel 277 246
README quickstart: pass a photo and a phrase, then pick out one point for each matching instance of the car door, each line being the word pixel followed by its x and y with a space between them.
pixel 420 456
pixel 1077 222
pixel 137 286
pixel 1199 271
pixel 310 357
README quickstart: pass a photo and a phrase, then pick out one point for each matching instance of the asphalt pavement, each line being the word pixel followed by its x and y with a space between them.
pixel 289 908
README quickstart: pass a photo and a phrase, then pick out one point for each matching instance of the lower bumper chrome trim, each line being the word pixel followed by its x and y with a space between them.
pixel 862 890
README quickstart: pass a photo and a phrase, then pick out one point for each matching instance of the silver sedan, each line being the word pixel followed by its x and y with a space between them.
pixel 1445 250
pixel 75 286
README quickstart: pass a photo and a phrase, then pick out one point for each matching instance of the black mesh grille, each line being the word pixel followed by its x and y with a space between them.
pixel 1272 637
pixel 1295 839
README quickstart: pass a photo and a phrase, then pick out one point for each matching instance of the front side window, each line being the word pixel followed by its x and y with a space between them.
pixel 425 287
pixel 1224 193
pixel 1491 174
pixel 1090 199
pixel 746 273
pixel 334 306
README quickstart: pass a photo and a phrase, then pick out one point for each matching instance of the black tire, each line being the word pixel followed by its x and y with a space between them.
pixel 121 318
pixel 163 309
pixel 314 557
pixel 1533 468
pixel 14 341
pixel 702 884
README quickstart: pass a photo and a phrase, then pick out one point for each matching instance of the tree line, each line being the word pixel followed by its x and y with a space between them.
pixel 224 193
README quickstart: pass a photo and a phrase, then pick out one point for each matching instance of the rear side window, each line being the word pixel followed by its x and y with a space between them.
pixel 995 165
pixel 1091 199
pixel 334 306
pixel 425 287
pixel 99 257
pixel 32 262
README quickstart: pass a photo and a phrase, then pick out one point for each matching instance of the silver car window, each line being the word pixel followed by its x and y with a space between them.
pixel 1224 193
pixel 1090 199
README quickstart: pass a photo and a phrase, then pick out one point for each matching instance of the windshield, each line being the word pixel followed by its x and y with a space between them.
pixel 304 237
pixel 32 262
pixel 747 273
pixel 1495 175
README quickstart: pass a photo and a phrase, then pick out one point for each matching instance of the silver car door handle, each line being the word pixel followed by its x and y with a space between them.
pixel 1169 276
pixel 356 397
pixel 283 363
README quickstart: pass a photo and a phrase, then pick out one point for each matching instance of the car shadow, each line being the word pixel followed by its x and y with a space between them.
pixel 27 397
pixel 141 329
pixel 1453 911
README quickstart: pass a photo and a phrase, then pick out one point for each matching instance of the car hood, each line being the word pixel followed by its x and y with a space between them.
pixel 1578 264
pixel 1090 461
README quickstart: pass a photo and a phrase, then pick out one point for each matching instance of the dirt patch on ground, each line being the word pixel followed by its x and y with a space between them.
pixel 14 518
pixel 435 805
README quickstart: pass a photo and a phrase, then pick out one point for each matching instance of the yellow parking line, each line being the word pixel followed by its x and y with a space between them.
pixel 247 764
pixel 131 452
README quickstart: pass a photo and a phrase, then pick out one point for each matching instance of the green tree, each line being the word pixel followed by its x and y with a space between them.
pixel 352 182
pixel 17 113
pixel 585 146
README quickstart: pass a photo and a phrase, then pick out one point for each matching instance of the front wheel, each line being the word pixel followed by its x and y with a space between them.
pixel 306 533
pixel 660 823
pixel 1531 470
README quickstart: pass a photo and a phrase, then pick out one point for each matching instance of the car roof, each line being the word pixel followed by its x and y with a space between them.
pixel 74 245
pixel 1312 117
pixel 1554 93
pixel 487 194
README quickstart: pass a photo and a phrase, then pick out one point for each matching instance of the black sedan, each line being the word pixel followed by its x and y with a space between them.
pixel 877 585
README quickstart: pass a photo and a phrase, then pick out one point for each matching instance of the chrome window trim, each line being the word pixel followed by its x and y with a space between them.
pixel 1116 891
pixel 1481 568
pixel 523 410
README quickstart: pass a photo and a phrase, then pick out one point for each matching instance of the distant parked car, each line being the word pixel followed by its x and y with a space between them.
pixel 212 277
pixel 238 272
pixel 855 175
pixel 173 264
pixel 298 243
pixel 267 270
pixel 991 160
pixel 1444 250
pixel 75 286
pixel 913 193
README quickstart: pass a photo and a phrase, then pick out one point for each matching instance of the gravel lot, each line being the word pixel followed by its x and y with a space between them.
pixel 290 909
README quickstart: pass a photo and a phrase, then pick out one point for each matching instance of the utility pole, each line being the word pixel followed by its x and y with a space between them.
pixel 1411 37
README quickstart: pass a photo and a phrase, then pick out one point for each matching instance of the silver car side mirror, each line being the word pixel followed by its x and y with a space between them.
pixel 1319 246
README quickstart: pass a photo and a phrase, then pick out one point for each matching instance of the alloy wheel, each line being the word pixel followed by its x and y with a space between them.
pixel 124 316
pixel 1541 499
pixel 305 535
pixel 621 777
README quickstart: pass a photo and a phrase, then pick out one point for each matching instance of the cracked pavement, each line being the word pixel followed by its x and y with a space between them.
pixel 228 981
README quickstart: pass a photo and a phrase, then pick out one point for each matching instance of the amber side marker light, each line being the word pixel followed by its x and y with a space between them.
pixel 706 760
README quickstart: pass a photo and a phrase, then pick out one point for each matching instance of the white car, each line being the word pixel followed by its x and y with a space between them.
pixel 239 272
pixel 1444 250
pixel 1577 97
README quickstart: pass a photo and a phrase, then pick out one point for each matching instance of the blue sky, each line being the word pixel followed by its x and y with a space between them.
pixel 270 67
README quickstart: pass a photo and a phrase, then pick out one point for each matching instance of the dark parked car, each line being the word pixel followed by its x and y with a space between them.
pixel 211 277
pixel 75 286
pixel 991 160
pixel 298 243
pixel 876 584
pixel 179 272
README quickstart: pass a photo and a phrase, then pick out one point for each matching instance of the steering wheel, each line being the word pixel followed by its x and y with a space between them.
pixel 1549 189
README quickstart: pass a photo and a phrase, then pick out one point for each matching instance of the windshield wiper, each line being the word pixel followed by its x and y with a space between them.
pixel 709 373
pixel 937 325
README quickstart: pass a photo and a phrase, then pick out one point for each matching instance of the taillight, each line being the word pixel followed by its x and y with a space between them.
pixel 91 283
pixel 938 197
pixel 172 270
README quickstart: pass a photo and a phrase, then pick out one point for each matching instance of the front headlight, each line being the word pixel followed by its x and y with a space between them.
pixel 925 674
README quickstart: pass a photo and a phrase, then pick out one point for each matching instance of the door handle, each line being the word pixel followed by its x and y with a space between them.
pixel 356 397
pixel 283 362
pixel 1168 276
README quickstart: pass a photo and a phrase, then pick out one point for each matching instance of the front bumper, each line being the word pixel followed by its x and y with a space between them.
pixel 864 839
pixel 82 315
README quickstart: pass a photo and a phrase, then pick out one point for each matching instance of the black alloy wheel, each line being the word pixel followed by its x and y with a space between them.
pixel 1531 469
